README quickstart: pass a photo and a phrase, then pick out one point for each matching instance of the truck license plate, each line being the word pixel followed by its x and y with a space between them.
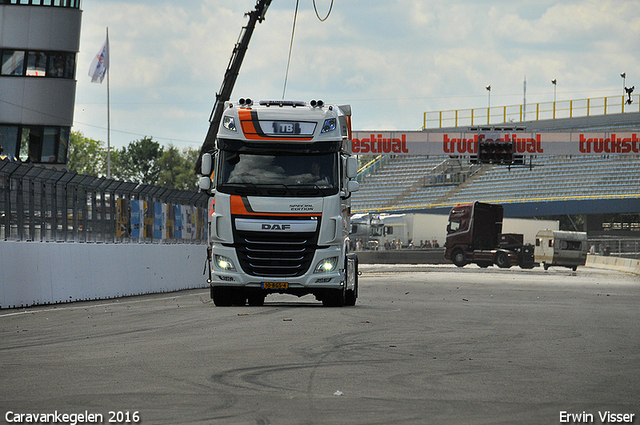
pixel 275 285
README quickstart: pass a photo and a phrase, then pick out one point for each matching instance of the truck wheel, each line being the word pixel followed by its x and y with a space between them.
pixel 334 297
pixel 546 266
pixel 221 297
pixel 238 297
pixel 502 260
pixel 256 299
pixel 459 258
pixel 352 294
pixel 574 268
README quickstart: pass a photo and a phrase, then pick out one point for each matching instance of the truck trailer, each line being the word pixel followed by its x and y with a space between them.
pixel 561 248
pixel 281 180
pixel 474 235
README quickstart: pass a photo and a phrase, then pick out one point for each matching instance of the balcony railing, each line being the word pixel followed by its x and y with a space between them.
pixel 531 112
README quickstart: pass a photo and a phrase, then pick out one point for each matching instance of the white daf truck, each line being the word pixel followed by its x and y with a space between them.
pixel 281 179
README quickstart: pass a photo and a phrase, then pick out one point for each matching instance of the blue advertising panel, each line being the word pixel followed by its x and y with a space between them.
pixel 136 219
pixel 178 222
pixel 158 221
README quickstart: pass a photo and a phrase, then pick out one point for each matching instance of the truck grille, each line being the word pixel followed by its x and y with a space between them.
pixel 276 254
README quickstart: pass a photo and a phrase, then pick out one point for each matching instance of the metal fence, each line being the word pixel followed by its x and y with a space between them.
pixel 40 204
pixel 618 247
pixel 534 111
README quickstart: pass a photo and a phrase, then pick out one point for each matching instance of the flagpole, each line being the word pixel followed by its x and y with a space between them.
pixel 108 121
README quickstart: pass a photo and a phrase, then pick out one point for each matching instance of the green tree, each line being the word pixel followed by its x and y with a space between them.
pixel 86 156
pixel 142 161
pixel 176 168
pixel 138 162
pixel 121 166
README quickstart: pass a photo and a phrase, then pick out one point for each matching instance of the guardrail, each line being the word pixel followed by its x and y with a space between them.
pixel 500 201
pixel 39 204
pixel 531 112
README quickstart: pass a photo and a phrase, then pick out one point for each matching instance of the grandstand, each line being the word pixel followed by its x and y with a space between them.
pixel 409 183
pixel 545 186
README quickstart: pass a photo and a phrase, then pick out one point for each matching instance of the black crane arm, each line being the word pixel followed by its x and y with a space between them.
pixel 230 76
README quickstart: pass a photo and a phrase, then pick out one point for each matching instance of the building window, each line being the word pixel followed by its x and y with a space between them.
pixel 56 65
pixel 38 64
pixel 63 145
pixel 9 139
pixel 35 143
pixel 74 4
pixel 12 62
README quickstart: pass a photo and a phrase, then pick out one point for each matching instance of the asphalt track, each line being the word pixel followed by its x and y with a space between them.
pixel 423 345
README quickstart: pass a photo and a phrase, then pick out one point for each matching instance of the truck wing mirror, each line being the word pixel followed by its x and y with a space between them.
pixel 352 167
pixel 205 183
pixel 353 186
pixel 206 164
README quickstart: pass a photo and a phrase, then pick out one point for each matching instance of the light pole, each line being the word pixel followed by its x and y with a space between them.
pixel 489 98
pixel 488 103
pixel 555 86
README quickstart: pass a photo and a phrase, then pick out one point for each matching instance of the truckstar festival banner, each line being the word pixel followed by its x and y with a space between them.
pixel 466 144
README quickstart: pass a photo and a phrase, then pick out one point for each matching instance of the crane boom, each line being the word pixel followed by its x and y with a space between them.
pixel 230 76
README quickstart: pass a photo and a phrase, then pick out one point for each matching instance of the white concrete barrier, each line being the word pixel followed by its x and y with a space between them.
pixel 35 273
pixel 614 263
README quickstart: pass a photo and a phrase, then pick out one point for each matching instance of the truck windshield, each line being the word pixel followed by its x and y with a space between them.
pixel 453 226
pixel 278 175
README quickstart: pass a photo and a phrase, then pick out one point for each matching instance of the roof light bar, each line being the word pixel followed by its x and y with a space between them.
pixel 282 103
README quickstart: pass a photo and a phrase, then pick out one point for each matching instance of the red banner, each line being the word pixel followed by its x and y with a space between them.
pixel 466 144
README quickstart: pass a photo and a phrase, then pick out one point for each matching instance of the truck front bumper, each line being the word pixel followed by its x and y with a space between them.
pixel 232 275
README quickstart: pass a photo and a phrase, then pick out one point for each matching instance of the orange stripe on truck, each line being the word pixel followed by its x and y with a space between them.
pixel 240 206
pixel 252 131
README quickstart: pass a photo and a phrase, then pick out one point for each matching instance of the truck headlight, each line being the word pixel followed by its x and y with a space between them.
pixel 224 263
pixel 229 123
pixel 330 124
pixel 327 265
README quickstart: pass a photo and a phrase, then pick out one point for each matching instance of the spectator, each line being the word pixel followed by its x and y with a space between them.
pixel 387 245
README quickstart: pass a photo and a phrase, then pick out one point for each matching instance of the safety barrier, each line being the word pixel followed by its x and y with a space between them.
pixel 39 204
pixel 118 238
pixel 627 265
pixel 53 273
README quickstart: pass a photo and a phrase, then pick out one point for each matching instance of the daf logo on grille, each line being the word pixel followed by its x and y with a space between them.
pixel 289 226
pixel 266 226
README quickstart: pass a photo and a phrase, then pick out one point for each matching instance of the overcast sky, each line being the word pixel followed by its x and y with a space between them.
pixel 391 60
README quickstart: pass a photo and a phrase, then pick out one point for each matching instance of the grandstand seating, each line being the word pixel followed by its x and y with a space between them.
pixel 403 182
pixel 387 183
